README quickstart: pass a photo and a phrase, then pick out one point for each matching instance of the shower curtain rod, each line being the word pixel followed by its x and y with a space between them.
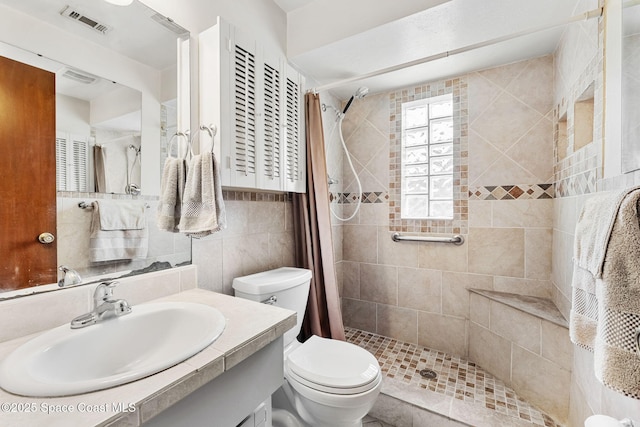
pixel 595 13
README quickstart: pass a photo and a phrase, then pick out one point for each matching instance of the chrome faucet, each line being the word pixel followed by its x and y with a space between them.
pixel 69 277
pixel 105 307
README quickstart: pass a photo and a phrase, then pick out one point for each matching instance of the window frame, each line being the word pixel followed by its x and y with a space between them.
pixel 430 175
pixel 459 224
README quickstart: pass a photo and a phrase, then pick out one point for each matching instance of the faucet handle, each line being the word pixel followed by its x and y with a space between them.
pixel 104 292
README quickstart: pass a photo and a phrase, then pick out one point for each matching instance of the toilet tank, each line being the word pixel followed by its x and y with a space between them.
pixel 285 287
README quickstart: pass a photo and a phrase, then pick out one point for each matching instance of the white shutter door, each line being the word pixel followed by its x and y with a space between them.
pixel 61 161
pixel 295 154
pixel 272 149
pixel 80 162
pixel 244 100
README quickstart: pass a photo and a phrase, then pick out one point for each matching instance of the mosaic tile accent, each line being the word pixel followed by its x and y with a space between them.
pixel 367 197
pixel 512 192
pixel 459 223
pixel 457 377
pixel 578 172
pixel 255 196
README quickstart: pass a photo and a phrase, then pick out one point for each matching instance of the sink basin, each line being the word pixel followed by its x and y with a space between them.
pixel 65 361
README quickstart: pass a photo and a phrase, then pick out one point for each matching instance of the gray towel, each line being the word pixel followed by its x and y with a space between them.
pixel 606 288
pixel 116 243
pixel 203 209
pixel 171 193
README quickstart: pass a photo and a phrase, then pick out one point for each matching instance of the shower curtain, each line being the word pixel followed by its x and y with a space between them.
pixel 312 230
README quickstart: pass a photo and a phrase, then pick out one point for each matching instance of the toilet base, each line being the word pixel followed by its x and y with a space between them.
pixel 286 415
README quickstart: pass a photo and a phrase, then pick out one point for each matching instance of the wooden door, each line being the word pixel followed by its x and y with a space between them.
pixel 27 175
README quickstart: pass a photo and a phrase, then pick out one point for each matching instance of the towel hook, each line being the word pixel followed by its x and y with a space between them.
pixel 173 138
pixel 212 130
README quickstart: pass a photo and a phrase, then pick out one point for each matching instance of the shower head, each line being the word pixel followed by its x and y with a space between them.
pixel 360 93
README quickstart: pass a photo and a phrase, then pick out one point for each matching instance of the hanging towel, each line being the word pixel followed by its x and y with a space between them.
pixel 606 288
pixel 203 210
pixel 171 193
pixel 118 231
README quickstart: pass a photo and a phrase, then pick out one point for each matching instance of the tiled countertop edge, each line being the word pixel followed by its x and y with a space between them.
pixel 153 394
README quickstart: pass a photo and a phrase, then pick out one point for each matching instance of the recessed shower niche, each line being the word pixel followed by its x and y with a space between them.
pixel 583 119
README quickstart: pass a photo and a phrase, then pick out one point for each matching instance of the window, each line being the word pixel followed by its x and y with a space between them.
pixel 426 129
pixel 427 158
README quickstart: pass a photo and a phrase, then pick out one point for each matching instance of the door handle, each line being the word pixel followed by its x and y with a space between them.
pixel 46 238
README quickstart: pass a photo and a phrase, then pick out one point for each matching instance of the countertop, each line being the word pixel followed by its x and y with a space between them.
pixel 250 327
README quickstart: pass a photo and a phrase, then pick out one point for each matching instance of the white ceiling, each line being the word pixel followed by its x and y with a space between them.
pixel 452 25
pixel 131 28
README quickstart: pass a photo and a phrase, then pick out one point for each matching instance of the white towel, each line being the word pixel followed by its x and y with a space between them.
pixel 203 209
pixel 117 243
pixel 171 193
pixel 606 288
pixel 122 215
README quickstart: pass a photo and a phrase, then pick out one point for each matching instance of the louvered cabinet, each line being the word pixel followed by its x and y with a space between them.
pixel 255 99
pixel 72 162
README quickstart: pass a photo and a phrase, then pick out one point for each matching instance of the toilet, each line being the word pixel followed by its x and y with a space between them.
pixel 326 382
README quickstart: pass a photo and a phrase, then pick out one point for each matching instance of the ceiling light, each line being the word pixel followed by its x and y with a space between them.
pixel 120 2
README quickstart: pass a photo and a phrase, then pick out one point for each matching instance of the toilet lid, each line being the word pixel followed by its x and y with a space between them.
pixel 333 364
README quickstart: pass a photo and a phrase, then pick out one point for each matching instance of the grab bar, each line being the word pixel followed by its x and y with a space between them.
pixel 456 240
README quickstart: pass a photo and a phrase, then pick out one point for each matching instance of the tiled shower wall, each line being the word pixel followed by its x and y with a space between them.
pixel 579 62
pixel 417 292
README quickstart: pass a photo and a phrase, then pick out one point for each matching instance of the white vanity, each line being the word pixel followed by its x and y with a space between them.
pixel 219 386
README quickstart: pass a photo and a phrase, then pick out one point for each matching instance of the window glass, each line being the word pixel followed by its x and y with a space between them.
pixel 427 158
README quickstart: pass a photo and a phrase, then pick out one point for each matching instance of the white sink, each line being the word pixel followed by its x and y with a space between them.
pixel 153 337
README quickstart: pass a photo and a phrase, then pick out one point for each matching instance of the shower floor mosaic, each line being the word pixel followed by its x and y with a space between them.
pixel 455 377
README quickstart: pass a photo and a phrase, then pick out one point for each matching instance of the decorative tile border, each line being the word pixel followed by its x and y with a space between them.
pixel 367 197
pixel 255 196
pixel 459 223
pixel 512 192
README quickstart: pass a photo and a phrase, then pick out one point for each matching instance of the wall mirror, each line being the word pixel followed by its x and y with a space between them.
pixel 122 92
pixel 630 87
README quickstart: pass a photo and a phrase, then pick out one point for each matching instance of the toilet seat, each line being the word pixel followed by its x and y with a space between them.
pixel 333 366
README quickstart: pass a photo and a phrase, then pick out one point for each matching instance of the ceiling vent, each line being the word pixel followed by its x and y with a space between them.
pixel 169 24
pixel 78 16
pixel 79 76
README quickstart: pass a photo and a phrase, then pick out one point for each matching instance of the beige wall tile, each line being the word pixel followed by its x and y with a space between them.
pixel 374 214
pixel 537 246
pixel 359 314
pixel 516 326
pixel 498 251
pixel 541 382
pixel 403 254
pixel 360 243
pixel 556 345
pixel 379 283
pixel 534 151
pixel 490 351
pixel 420 289
pixel 480 311
pixel 242 256
pixel 398 323
pixel 522 213
pixel 480 213
pixel 438 256
pixel 534 84
pixel 351 279
pixel 444 333
pixel 505 121
pixel 536 288
pixel 455 294
pixel 207 256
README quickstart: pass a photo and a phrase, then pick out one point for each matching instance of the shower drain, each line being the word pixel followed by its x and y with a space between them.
pixel 429 374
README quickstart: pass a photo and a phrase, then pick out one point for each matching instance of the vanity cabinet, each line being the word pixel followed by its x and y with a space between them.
pixel 254 98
